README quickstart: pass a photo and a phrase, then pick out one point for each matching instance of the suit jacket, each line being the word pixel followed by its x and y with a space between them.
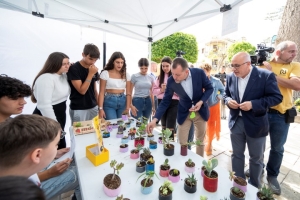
pixel 202 89
pixel 263 92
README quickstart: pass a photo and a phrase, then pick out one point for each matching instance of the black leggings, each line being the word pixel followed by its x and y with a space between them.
pixel 168 119
pixel 60 113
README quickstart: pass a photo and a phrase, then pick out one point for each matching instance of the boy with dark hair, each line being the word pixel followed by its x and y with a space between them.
pixel 82 77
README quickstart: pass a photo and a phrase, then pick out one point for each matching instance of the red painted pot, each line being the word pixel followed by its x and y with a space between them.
pixel 139 141
pixel 164 173
pixel 210 184
pixel 183 150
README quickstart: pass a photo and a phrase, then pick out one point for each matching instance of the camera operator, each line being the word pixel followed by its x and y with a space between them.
pixel 280 116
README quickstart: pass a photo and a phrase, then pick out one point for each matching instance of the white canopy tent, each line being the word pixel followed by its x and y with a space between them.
pixel 145 20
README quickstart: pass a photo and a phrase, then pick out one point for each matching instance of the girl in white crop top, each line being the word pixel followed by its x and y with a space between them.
pixel 114 82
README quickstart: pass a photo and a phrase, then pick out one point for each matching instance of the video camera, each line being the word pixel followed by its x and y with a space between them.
pixel 261 54
pixel 179 53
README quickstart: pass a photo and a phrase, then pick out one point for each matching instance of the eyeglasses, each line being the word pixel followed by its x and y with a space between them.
pixel 62 134
pixel 236 65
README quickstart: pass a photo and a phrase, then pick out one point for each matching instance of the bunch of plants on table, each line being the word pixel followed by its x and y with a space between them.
pixel 184 147
pixel 165 191
pixel 164 168
pixel 210 177
pixel 147 182
pixel 166 139
pixel 112 182
pixel 264 193
pixel 135 153
pixel 238 181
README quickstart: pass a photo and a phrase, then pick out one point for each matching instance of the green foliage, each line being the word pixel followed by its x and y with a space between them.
pixel 240 47
pixel 166 137
pixel 210 165
pixel 175 172
pixel 266 193
pixel 150 160
pixel 190 161
pixel 195 142
pixel 297 102
pixel 191 180
pixel 146 152
pixel 168 46
pixel 147 176
pixel 202 197
pixel 166 163
pixel 78 124
pixel 139 146
pixel 231 175
pixel 116 166
pixel 120 197
pixel 167 185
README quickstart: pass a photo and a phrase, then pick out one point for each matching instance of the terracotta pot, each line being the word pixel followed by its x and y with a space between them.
pixel 210 184
pixel 124 149
pixel 190 189
pixel 139 141
pixel 112 192
pixel 170 151
pixel 173 179
pixel 183 150
pixel 242 187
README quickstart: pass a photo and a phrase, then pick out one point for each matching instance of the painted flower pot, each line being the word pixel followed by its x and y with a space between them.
pixel 174 179
pixel 106 135
pixel 139 141
pixel 164 173
pixel 131 136
pixel 115 125
pixel 146 190
pixel 210 184
pixel 119 135
pixel 124 117
pixel 142 168
pixel 124 140
pixel 134 154
pixel 160 140
pixel 111 192
pixel 120 122
pixel 138 124
pixel 183 150
pixel 190 189
pixel 189 169
pixel 127 125
pixel 131 121
pixel 234 197
pixel 150 138
pixel 121 129
pixel 202 170
pixel 169 151
pixel 153 145
pixel 242 187
pixel 162 197
pixel 149 167
pixel 124 148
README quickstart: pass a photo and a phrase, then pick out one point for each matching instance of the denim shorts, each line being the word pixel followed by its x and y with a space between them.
pixel 114 105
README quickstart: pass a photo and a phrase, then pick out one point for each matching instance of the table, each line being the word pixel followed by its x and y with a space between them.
pixel 91 177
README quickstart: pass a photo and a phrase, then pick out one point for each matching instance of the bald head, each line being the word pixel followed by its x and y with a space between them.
pixel 241 64
pixel 242 56
pixel 285 52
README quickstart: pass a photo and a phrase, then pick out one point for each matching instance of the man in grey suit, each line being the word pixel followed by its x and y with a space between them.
pixel 249 92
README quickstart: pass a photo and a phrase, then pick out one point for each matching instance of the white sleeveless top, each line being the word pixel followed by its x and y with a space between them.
pixel 114 83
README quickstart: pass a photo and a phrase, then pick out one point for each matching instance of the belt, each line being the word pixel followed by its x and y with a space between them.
pixel 143 97
pixel 113 94
pixel 274 111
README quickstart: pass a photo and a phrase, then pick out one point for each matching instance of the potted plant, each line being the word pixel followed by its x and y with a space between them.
pixel 135 153
pixel 115 125
pixel 106 134
pixel 237 194
pixel 152 144
pixel 127 124
pixel 210 178
pixel 238 181
pixel 140 166
pixel 150 165
pixel 264 193
pixel 150 136
pixel 123 148
pixel 166 139
pixel 120 122
pixel 174 175
pixel 160 140
pixel 184 147
pixel 140 139
pixel 165 191
pixel 189 166
pixel 121 198
pixel 112 182
pixel 124 139
pixel 164 169
pixel 131 133
pixel 203 197
pixel 131 120
pixel 147 182
pixel 125 115
pixel 146 154
pixel 190 184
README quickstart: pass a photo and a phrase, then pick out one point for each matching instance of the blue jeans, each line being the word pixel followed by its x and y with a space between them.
pixel 191 134
pixel 278 135
pixel 114 105
pixel 143 105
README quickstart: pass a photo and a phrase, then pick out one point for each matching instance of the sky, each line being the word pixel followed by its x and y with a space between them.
pixel 251 23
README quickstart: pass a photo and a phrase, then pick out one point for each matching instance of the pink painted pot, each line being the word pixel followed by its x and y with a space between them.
pixel 123 150
pixel 110 192
pixel 242 187
pixel 134 155
pixel 174 179
pixel 189 169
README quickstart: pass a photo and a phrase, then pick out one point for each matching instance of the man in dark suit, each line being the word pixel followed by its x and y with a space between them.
pixel 249 92
pixel 193 88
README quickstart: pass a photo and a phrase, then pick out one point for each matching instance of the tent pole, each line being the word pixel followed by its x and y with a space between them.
pixel 104 49
pixel 150 39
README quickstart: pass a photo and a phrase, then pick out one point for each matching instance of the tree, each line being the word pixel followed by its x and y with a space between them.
pixel 289 28
pixel 240 47
pixel 168 46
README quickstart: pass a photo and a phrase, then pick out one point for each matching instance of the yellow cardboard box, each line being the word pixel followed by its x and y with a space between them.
pixel 92 153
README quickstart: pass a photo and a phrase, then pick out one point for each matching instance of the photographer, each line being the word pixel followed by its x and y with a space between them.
pixel 280 116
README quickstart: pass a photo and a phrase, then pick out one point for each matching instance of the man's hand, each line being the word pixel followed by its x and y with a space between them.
pixel 196 107
pixel 267 65
pixel 93 69
pixel 59 168
pixel 233 104
pixel 61 152
pixel 246 106
pixel 151 125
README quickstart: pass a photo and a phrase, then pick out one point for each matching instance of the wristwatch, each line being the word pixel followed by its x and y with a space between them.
pixel 100 108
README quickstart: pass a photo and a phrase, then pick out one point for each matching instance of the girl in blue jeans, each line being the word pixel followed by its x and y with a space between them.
pixel 114 81
pixel 142 101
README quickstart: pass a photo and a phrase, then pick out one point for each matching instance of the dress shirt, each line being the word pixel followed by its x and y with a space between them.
pixel 187 85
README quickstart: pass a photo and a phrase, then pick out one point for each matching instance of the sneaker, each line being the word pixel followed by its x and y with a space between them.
pixel 274 185
pixel 247 172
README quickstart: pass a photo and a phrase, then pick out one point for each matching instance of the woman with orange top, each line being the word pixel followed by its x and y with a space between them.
pixel 214 122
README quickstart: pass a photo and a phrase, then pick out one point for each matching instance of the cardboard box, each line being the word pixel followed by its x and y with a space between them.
pixel 83 127
pixel 91 154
